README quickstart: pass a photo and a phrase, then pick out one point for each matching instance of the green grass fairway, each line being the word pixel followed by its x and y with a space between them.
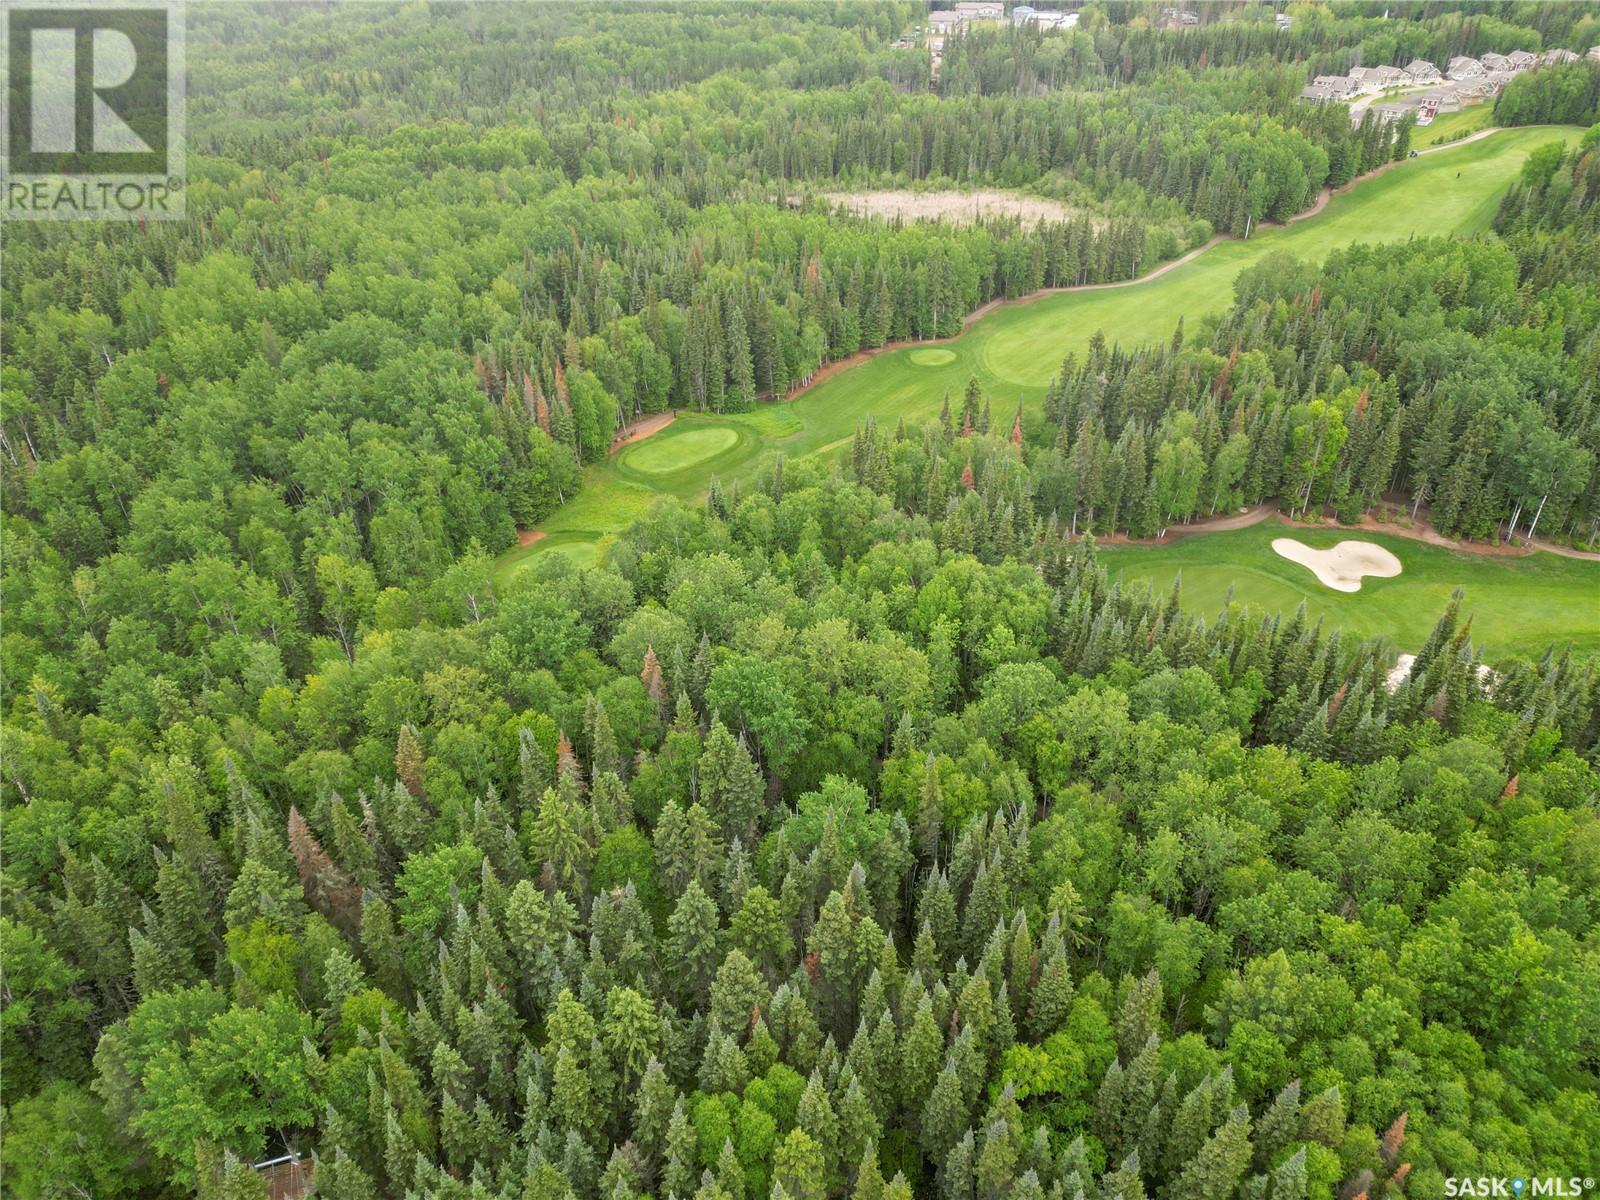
pixel 1519 605
pixel 1015 350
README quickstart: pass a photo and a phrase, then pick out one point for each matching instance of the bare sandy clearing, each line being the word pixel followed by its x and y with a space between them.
pixel 1488 677
pixel 1344 566
pixel 958 208
pixel 1400 672
pixel 641 429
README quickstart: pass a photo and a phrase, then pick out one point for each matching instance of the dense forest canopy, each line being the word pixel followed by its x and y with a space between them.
pixel 847 831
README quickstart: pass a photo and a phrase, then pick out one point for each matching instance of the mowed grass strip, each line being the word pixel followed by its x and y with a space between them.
pixel 1519 605
pixel 1454 191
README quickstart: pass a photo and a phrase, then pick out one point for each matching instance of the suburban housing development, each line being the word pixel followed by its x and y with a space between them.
pixel 1422 90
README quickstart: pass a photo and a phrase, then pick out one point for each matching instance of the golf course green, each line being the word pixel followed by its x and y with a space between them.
pixel 1518 605
pixel 1015 349
pixel 667 454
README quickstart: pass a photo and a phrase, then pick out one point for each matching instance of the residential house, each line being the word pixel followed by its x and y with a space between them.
pixel 1421 72
pixel 944 21
pixel 1462 67
pixel 1331 89
pixel 1024 14
pixel 1284 20
pixel 1493 62
pixel 1178 17
pixel 1522 60
pixel 1442 100
pixel 1385 113
pixel 1375 79
pixel 1558 55
pixel 981 10
pixel 1594 53
pixel 1498 79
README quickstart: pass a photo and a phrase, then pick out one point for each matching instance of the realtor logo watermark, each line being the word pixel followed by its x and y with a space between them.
pixel 94 123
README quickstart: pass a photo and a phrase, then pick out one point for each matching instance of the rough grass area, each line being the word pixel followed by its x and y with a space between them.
pixel 1447 127
pixel 954 208
pixel 1518 605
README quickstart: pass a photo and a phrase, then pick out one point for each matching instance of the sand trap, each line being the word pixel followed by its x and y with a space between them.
pixel 1344 566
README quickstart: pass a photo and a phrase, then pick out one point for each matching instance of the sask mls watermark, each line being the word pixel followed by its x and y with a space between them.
pixel 94 95
pixel 1519 1187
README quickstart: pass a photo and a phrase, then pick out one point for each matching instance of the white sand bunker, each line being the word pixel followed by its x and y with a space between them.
pixel 1344 566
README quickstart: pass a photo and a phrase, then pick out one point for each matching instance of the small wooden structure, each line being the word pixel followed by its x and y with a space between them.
pixel 288 1177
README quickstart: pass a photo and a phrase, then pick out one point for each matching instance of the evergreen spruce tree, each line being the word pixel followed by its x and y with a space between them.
pixel 1051 1001
pixel 859 1126
pixel 692 943
pixel 944 1114
pixel 869 1179
pixel 1279 1125
pixel 1140 1017
pixel 1289 1180
pixel 679 1173
pixel 1221 1162
pixel 1125 1182
pixel 652 1114
pixel 958 1178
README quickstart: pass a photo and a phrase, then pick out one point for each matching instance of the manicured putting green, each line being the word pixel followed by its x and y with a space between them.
pixel 1518 605
pixel 933 357
pixel 671 451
